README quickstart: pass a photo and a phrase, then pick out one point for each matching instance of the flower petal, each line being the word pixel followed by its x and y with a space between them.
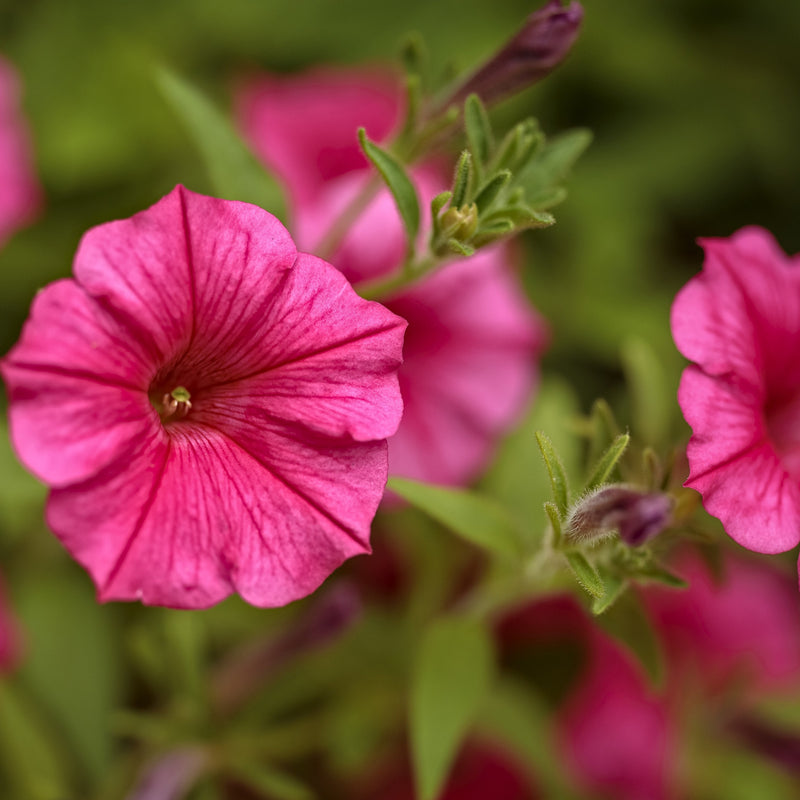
pixel 304 126
pixel 330 365
pixel 77 385
pixel 184 522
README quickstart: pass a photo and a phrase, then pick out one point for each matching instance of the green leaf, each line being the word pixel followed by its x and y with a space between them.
pixel 605 466
pixel 267 782
pixel 554 161
pixel 555 522
pixel 472 516
pixel 235 173
pixel 655 573
pixel 450 679
pixel 491 189
pixel 439 202
pixel 395 177
pixel 615 586
pixel 461 180
pixel 628 623
pixel 555 469
pixel 36 763
pixel 585 573
pixel 479 129
pixel 518 145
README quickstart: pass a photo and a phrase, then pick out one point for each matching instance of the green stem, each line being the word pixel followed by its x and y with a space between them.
pixel 409 274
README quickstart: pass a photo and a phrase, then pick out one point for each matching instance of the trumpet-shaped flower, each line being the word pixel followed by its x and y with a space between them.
pixel 739 322
pixel 208 406
pixel 470 357
pixel 19 191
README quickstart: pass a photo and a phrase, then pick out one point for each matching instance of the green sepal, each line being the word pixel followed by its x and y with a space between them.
pixel 655 573
pixel 605 466
pixel 615 587
pixel 437 204
pixel 519 145
pixel 495 230
pixel 460 248
pixel 479 130
pixel 585 573
pixel 451 675
pixel 399 184
pixel 267 782
pixel 235 173
pixel 462 179
pixel 413 105
pixel 474 517
pixel 490 190
pixel 555 522
pixel 555 469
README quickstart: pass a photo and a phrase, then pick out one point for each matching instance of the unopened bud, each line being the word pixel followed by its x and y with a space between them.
pixel 539 47
pixel 638 516
pixel 460 223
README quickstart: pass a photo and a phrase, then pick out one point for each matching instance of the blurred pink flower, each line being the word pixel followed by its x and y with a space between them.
pixel 743 628
pixel 739 321
pixel 615 734
pixel 19 189
pixel 208 406
pixel 470 356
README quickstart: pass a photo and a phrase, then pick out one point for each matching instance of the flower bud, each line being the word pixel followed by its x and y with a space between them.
pixel 460 223
pixel 638 516
pixel 530 55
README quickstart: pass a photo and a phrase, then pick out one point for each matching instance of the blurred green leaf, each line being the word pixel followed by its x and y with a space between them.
pixel 614 587
pixel 36 762
pixel 269 783
pixel 585 573
pixel 400 185
pixel 651 396
pixel 450 680
pixel 21 495
pixel 73 662
pixel 488 193
pixel 236 174
pixel 629 624
pixel 553 162
pixel 479 131
pixel 474 517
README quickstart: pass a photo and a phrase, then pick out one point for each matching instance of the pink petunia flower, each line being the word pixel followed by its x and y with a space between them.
pixel 739 321
pixel 470 357
pixel 19 190
pixel 741 629
pixel 208 406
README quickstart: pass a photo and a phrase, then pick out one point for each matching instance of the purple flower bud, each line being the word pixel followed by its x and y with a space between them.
pixel 539 47
pixel 637 515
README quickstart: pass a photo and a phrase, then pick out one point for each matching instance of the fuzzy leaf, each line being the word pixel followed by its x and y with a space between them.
pixel 615 586
pixel 555 469
pixel 554 161
pixel 450 679
pixel 235 173
pixel 585 573
pixel 472 516
pixel 605 466
pixel 461 248
pixel 461 180
pixel 479 130
pixel 655 573
pixel 491 189
pixel 395 177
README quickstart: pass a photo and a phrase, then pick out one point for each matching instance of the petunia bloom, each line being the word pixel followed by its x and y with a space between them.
pixel 739 321
pixel 470 357
pixel 208 405
pixel 19 190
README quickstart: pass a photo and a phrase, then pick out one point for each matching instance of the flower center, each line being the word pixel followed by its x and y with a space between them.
pixel 175 404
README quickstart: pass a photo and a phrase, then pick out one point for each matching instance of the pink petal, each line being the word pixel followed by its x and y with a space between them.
pixel 20 195
pixel 184 522
pixel 740 476
pixel 330 360
pixel 77 383
pixel 304 126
